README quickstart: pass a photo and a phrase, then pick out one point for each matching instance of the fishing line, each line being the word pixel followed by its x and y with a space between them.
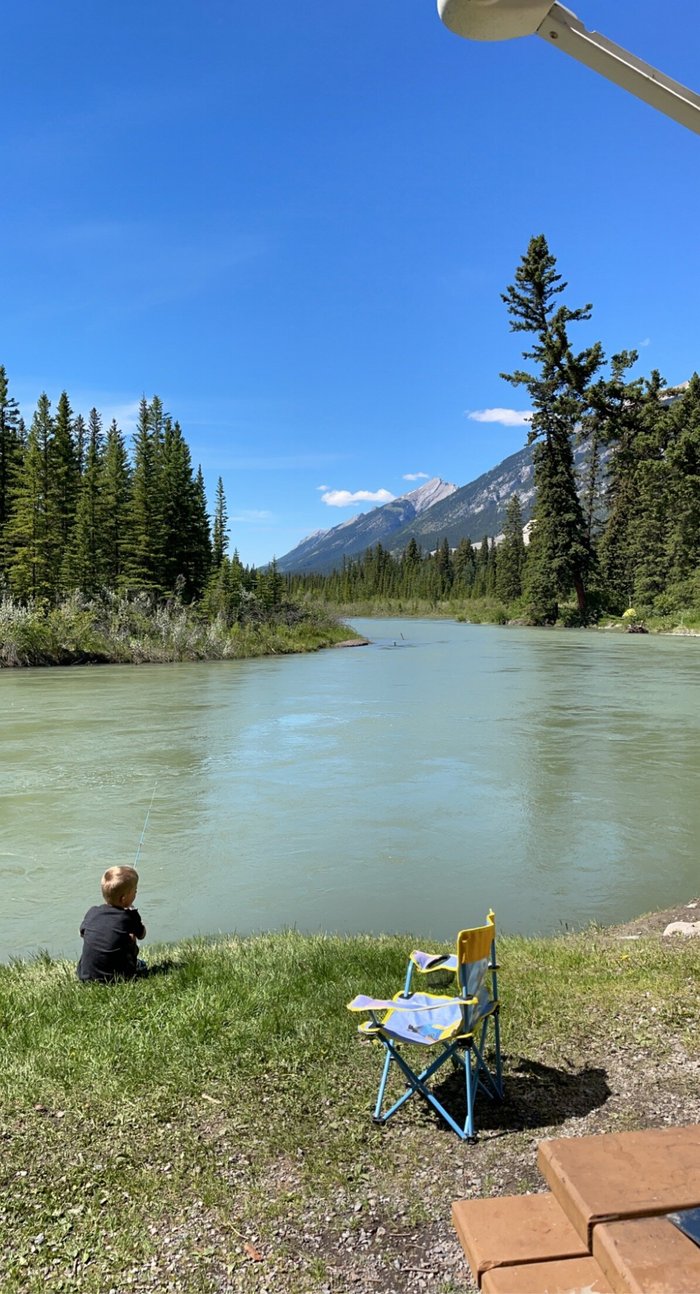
pixel 138 851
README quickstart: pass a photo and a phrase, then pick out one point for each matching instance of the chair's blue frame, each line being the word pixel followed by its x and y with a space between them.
pixel 465 1051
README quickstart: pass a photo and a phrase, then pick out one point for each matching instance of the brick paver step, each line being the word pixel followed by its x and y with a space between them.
pixel 563 1276
pixel 622 1174
pixel 507 1230
pixel 647 1256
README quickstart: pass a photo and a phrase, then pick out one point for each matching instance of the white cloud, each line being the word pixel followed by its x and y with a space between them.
pixel 416 476
pixel 253 514
pixel 646 342
pixel 323 487
pixel 125 415
pixel 346 498
pixel 506 417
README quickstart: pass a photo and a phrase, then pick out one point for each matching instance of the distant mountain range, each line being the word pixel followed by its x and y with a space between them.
pixel 325 549
pixel 435 511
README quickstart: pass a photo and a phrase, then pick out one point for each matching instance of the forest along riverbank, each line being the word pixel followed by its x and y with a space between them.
pixel 179 1148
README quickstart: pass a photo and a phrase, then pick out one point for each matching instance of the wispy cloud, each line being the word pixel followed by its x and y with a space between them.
pixel 274 462
pixel 137 265
pixel 110 405
pixel 346 498
pixel 323 487
pixel 506 417
pixel 646 342
pixel 253 514
pixel 125 415
pixel 415 476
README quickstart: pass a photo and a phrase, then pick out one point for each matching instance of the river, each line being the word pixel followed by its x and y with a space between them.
pixel 403 786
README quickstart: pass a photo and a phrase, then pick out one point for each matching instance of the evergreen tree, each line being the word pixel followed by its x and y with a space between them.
pixel 464 564
pixel 558 392
pixel 86 565
pixel 115 491
pixel 220 531
pixel 271 586
pixel 65 481
pixel 143 564
pixel 11 450
pixel 200 548
pixel 627 413
pixel 178 495
pixel 80 436
pixel 32 556
pixel 683 460
pixel 443 564
pixel 511 553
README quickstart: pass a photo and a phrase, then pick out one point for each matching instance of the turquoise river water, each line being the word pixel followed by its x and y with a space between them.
pixel 403 786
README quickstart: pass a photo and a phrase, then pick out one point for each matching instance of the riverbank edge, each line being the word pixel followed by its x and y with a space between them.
pixel 66 636
pixel 612 627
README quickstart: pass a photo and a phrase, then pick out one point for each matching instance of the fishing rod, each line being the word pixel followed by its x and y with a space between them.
pixel 138 851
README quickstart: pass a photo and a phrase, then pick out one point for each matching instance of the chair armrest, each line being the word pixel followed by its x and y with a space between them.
pixel 427 962
pixel 362 1003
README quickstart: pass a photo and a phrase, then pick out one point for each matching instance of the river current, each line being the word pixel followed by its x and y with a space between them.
pixel 403 786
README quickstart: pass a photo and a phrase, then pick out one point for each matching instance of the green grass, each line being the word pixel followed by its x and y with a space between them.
pixel 150 1130
pixel 120 630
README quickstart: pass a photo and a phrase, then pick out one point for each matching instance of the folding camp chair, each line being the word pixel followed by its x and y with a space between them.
pixel 456 1023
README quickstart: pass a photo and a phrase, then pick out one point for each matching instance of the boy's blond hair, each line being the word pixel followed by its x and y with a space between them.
pixel 117 882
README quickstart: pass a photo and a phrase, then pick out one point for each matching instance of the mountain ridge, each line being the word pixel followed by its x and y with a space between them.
pixel 432 512
pixel 322 550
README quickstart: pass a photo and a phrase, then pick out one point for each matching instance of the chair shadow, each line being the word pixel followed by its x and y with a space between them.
pixel 534 1096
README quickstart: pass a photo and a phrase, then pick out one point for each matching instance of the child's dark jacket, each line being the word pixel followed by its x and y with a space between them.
pixel 109 952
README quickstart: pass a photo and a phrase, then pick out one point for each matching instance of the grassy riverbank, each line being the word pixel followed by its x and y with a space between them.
pixel 209 1129
pixel 490 610
pixel 117 630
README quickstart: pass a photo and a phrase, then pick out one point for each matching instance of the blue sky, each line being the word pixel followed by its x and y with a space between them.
pixel 293 222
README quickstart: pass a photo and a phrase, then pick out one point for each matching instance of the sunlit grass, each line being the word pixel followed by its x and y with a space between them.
pixel 126 1109
pixel 120 631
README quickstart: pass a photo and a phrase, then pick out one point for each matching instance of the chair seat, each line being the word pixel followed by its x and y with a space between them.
pixel 420 1026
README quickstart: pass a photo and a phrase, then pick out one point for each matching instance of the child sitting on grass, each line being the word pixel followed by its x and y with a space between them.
pixel 109 932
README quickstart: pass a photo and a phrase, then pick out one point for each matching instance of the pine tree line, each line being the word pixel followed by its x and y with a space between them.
pixel 473 570
pixel 79 512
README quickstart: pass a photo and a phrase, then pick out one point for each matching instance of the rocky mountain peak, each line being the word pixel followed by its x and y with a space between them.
pixel 433 491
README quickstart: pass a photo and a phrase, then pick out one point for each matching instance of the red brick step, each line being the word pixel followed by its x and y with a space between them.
pixel 647 1256
pixel 504 1231
pixel 564 1276
pixel 622 1175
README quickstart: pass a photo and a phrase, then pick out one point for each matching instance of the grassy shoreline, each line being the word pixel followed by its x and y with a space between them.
pixel 116 631
pixel 477 611
pixel 209 1129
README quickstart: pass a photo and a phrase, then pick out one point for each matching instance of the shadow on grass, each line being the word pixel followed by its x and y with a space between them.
pixel 164 967
pixel 535 1096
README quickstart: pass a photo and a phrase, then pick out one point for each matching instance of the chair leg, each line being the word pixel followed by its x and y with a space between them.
pixel 417 1083
pixel 377 1116
pixel 490 1085
pixel 497 1041
pixel 471 1085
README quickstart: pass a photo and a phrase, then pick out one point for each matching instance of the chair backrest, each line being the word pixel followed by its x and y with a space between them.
pixel 476 967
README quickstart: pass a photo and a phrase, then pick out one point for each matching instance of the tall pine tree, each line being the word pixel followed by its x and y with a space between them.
pixel 32 561
pixel 11 449
pixel 115 489
pixel 558 390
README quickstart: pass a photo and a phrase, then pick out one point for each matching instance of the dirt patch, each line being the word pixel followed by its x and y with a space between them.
pixel 654 923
